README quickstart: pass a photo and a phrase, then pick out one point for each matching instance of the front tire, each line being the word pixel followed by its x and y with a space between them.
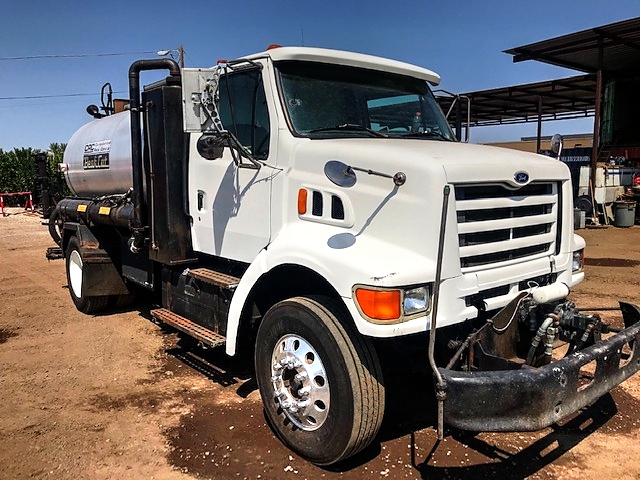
pixel 320 381
pixel 75 275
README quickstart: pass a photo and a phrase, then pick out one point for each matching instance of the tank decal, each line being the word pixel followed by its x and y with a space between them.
pixel 82 208
pixel 96 155
pixel 104 210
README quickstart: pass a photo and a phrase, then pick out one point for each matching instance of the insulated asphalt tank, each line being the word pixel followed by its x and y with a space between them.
pixel 97 160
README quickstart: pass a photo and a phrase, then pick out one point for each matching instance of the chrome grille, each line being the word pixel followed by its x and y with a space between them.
pixel 500 225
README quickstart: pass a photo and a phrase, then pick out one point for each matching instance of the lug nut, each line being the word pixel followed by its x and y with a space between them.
pixel 304 391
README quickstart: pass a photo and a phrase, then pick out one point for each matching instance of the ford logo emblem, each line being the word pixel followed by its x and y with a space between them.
pixel 521 177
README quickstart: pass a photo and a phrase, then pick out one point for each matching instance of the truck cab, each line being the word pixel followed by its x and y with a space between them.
pixel 308 110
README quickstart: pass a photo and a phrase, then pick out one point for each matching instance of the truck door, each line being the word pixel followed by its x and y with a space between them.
pixel 230 204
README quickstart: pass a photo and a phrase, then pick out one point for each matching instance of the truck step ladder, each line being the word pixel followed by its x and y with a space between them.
pixel 215 278
pixel 200 333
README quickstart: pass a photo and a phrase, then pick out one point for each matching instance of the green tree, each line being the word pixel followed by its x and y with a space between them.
pixel 56 178
pixel 18 171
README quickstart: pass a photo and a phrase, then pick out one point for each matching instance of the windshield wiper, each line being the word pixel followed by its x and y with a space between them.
pixel 429 134
pixel 349 127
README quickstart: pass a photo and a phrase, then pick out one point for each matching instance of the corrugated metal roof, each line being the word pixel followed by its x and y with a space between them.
pixel 620 44
pixel 562 98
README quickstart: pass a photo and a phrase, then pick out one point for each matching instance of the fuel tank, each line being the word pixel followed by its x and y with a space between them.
pixel 97 160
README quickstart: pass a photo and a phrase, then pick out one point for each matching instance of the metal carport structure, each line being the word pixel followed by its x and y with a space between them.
pixel 602 53
pixel 563 98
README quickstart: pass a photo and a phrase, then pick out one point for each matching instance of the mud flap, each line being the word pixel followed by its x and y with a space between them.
pixel 100 274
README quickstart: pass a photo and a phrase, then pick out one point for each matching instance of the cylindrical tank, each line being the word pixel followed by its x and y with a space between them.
pixel 97 160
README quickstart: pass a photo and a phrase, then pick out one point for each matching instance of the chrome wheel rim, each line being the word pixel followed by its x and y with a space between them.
pixel 300 382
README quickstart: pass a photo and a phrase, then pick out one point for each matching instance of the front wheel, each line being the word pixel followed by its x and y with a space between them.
pixel 75 275
pixel 320 381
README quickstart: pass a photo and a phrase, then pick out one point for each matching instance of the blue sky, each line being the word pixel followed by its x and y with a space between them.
pixel 462 41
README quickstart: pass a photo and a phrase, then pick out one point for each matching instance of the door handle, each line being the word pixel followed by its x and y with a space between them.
pixel 200 200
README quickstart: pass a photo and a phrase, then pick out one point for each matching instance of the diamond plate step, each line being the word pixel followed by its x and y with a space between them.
pixel 185 325
pixel 216 278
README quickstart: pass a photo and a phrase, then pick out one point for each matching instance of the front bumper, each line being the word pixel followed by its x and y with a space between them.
pixel 534 398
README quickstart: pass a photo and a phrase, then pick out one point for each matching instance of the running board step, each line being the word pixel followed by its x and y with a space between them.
pixel 216 278
pixel 54 253
pixel 200 333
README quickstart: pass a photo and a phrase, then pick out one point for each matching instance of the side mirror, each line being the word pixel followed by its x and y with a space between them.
pixel 556 145
pixel 211 146
pixel 340 173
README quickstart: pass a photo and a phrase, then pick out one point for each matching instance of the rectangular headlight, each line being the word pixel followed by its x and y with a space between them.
pixel 416 300
pixel 578 261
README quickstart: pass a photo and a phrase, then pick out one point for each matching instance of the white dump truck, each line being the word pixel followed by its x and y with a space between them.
pixel 299 203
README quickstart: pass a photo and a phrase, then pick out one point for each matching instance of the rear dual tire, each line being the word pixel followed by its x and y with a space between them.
pixel 75 276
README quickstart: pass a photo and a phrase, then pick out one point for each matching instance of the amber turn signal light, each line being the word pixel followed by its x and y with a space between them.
pixel 379 304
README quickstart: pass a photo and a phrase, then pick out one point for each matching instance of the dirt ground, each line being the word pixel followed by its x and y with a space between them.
pixel 114 396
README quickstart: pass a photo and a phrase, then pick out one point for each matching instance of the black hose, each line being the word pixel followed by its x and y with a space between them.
pixel 55 221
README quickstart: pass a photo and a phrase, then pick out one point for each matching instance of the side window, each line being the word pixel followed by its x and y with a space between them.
pixel 243 110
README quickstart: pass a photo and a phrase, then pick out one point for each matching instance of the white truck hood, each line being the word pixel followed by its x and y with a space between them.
pixel 424 161
pixel 407 215
pixel 465 163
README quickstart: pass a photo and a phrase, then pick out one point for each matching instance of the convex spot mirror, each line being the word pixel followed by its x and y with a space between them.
pixel 340 173
pixel 556 145
pixel 211 146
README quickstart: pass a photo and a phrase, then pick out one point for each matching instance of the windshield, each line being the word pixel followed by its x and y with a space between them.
pixel 324 100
